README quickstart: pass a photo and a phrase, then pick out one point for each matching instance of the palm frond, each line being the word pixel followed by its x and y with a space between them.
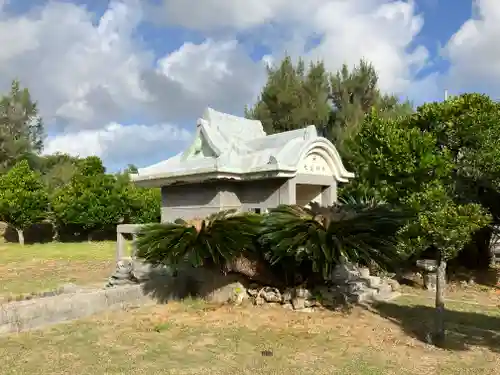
pixel 216 240
pixel 368 236
pixel 167 243
pixel 326 235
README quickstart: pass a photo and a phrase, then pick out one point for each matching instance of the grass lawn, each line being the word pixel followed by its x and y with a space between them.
pixel 194 338
pixel 34 268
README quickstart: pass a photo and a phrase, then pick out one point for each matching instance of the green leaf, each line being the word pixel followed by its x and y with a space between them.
pixel 220 238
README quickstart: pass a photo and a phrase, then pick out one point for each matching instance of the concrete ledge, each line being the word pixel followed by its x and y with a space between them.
pixel 159 287
pixel 37 313
pixel 129 228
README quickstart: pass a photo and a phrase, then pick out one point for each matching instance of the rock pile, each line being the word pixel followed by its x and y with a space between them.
pixel 357 285
pixel 122 274
pixel 299 298
pixel 349 284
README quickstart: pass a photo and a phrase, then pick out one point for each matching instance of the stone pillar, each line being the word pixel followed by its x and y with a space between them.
pixel 288 192
pixel 120 245
pixel 166 211
pixel 428 269
pixel 329 195
pixel 134 246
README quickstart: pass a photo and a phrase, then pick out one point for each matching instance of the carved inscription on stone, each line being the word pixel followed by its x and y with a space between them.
pixel 315 164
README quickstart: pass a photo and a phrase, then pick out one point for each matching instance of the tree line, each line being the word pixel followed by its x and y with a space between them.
pixel 74 195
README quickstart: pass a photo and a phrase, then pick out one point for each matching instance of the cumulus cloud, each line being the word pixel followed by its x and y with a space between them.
pixel 81 73
pixel 338 31
pixel 90 73
pixel 473 51
pixel 381 31
pixel 215 73
pixel 117 143
pixel 209 14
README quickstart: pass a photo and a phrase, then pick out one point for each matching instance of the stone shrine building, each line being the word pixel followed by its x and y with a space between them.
pixel 233 164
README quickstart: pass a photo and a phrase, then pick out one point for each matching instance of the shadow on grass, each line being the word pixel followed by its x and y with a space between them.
pixel 164 287
pixel 489 277
pixel 463 328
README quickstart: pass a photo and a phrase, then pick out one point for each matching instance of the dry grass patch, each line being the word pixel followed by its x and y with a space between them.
pixel 195 338
pixel 34 268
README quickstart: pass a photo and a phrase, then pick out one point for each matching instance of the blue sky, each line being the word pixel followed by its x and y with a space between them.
pixel 442 19
pixel 127 79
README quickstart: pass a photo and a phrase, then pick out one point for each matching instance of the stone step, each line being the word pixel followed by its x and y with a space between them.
pixel 364 295
pixel 386 297
pixel 380 294
pixel 372 281
pixel 384 288
pixel 355 286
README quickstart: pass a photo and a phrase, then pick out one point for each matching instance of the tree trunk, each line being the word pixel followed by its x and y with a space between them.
pixel 439 330
pixel 20 236
pixel 255 269
pixel 494 245
pixel 55 237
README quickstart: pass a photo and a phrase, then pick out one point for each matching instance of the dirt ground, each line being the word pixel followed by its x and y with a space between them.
pixel 196 338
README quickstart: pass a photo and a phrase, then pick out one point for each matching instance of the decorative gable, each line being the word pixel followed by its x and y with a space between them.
pixel 315 163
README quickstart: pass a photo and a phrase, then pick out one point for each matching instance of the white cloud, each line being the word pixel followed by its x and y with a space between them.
pixel 473 51
pixel 80 72
pixel 382 31
pixel 219 73
pixel 90 73
pixel 118 143
pixel 209 14
pixel 87 72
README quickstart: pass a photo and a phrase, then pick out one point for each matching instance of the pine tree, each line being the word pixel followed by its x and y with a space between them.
pixel 293 97
pixel 21 128
pixel 353 94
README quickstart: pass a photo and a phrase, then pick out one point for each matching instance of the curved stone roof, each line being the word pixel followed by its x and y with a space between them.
pixel 227 146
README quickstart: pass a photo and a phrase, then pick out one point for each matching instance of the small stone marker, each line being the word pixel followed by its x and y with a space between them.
pixel 267 353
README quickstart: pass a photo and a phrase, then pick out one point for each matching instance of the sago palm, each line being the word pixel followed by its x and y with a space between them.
pixel 225 240
pixel 325 236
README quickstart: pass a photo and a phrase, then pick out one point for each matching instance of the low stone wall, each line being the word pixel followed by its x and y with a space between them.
pixel 41 312
pixel 148 285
